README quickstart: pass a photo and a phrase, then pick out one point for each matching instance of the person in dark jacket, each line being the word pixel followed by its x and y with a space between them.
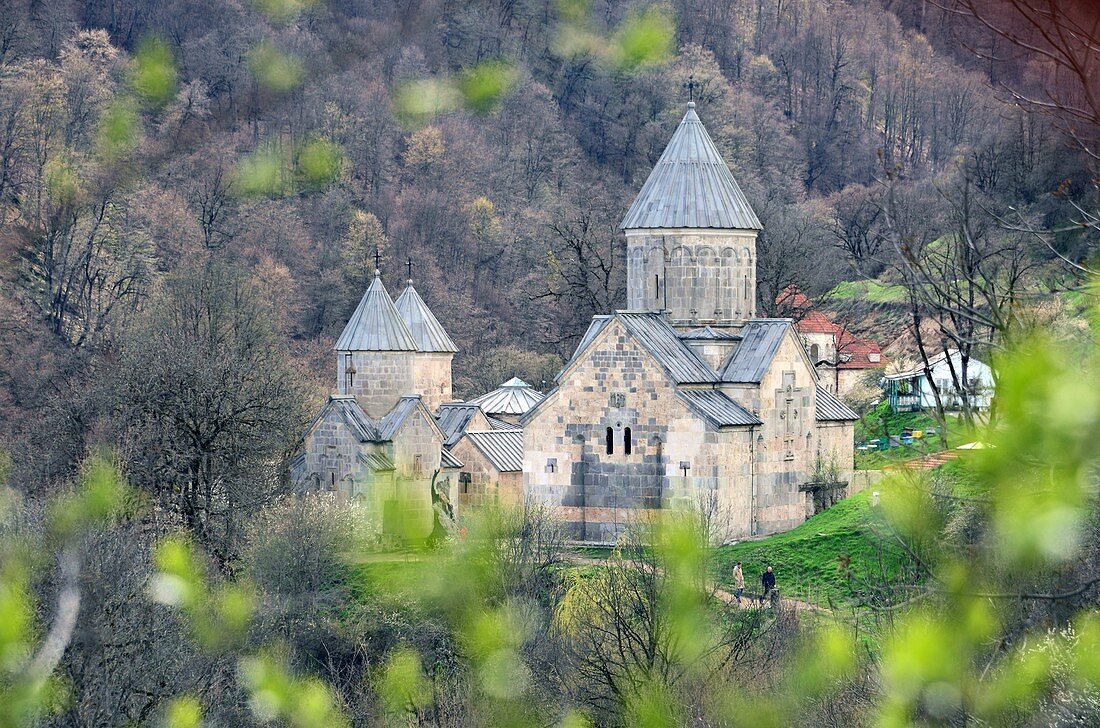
pixel 768 581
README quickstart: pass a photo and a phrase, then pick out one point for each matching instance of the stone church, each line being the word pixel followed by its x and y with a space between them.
pixel 685 398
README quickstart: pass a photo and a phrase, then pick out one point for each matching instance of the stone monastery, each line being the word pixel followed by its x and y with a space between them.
pixel 685 398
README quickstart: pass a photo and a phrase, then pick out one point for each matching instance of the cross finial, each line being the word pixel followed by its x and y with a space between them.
pixel 377 261
pixel 409 266
pixel 691 85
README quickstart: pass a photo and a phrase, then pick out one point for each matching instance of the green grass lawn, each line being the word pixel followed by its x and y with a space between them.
pixel 868 291
pixel 870 427
pixel 806 560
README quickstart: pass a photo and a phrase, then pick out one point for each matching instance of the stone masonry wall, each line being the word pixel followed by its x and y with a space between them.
pixel 432 378
pixel 618 385
pixel 699 276
pixel 381 378
pixel 786 444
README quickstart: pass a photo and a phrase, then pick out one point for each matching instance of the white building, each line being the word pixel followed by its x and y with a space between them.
pixel 911 390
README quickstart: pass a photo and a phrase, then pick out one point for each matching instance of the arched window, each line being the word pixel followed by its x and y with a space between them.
pixel 626 441
pixel 815 354
pixel 610 441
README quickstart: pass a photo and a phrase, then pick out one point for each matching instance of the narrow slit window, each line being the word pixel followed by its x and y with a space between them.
pixel 626 441
pixel 610 441
pixel 657 288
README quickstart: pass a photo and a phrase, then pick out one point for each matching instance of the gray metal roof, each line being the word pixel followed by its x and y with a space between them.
pixel 656 335
pixel 514 397
pixel 424 326
pixel 376 461
pixel 376 325
pixel 717 408
pixel 706 333
pixel 395 418
pixel 831 409
pixel 448 460
pixel 760 340
pixel 502 424
pixel 502 448
pixel 353 416
pixel 691 187
pixel 453 418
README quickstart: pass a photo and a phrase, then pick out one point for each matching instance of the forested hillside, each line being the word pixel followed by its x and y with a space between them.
pixel 192 194
pixel 495 144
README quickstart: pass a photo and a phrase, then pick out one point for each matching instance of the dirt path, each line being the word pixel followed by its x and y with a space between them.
pixel 747 600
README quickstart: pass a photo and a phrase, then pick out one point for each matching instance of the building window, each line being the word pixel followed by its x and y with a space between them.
pixel 610 441
pixel 464 482
pixel 815 354
pixel 418 464
pixel 551 465
pixel 349 374
pixel 657 288
pixel 626 441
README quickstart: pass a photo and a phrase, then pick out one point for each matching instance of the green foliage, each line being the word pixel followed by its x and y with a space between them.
pixel 119 130
pixel 277 695
pixel 483 86
pixel 283 11
pixel 276 169
pixel 219 615
pixel 644 39
pixel 319 163
pixel 154 74
pixel 27 686
pixel 185 712
pixel 403 687
pixel 274 70
pixel 479 89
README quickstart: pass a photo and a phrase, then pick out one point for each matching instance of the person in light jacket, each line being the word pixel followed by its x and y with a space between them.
pixel 738 582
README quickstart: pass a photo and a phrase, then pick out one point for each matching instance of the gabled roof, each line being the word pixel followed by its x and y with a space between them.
pixel 831 409
pixel 691 187
pixel 352 414
pixel 453 418
pixel 760 340
pixel 423 325
pixel 376 461
pixel 706 333
pixel 448 460
pixel 717 408
pixel 395 419
pixel 656 335
pixel 502 448
pixel 376 325
pixel 514 397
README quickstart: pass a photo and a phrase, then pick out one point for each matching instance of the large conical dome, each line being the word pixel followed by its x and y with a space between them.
pixel 376 325
pixel 429 334
pixel 691 187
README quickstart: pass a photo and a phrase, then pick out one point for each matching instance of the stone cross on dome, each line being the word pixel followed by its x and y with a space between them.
pixel 409 266
pixel 691 85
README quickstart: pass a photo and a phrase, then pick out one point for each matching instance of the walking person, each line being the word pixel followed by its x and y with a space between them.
pixel 768 581
pixel 738 582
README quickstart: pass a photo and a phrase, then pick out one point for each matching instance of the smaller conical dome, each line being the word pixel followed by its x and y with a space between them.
pixel 429 334
pixel 376 325
pixel 514 397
